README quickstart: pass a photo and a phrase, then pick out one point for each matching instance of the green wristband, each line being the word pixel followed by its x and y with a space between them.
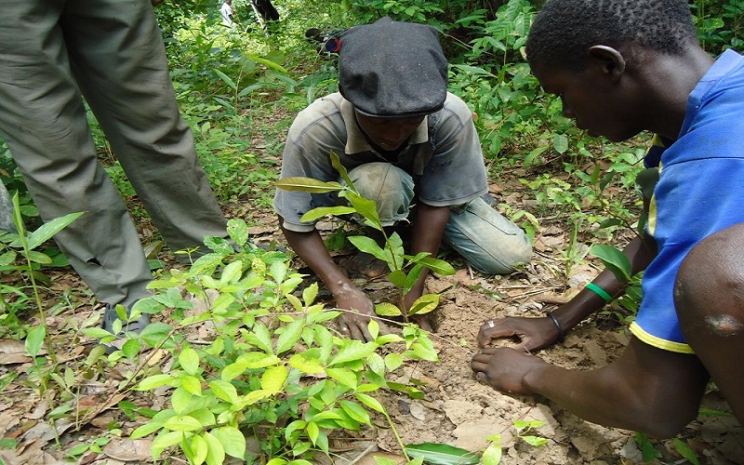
pixel 600 292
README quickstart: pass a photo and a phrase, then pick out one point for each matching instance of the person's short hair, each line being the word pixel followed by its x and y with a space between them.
pixel 565 30
pixel 392 69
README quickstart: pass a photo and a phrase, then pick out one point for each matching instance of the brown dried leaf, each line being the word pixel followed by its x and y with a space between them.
pixel 129 450
pixel 13 351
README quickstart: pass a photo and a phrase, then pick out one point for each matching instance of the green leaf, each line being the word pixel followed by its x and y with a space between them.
pixel 8 257
pixel 232 272
pixel 425 304
pixel 387 309
pixel 34 340
pixel 164 441
pixel 131 348
pixel 393 361
pixel 152 382
pixel 224 390
pixel 534 441
pixel 38 257
pixel 615 261
pixel 365 207
pixel 189 360
pixel 438 266
pixel 312 431
pixel 192 385
pixel 356 412
pixel 226 79
pixel 306 365
pixel 146 430
pixel 266 62
pixel 344 376
pixel 291 334
pixel 215 452
pixel 609 223
pixel 260 337
pixel 686 451
pixel 370 246
pixel 238 231
pixel 49 229
pixel 308 185
pixel 338 166
pixel 273 379
pixel 492 455
pixel 199 449
pixel 322 212
pixel 353 350
pixel 254 360
pixel 232 441
pixel 96 333
pixel 370 402
pixel 182 423
pixel 442 454
pixel 398 278
pixel 560 143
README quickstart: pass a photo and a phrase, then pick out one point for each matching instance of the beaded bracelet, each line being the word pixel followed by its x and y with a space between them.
pixel 600 292
pixel 561 334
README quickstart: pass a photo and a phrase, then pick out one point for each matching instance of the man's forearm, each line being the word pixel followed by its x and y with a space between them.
pixel 309 246
pixel 428 231
pixel 639 251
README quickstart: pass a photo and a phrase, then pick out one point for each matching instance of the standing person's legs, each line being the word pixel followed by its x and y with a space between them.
pixel 489 242
pixel 709 297
pixel 43 120
pixel 132 96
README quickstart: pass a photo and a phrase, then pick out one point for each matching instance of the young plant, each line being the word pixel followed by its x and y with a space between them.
pixel 405 270
pixel 272 371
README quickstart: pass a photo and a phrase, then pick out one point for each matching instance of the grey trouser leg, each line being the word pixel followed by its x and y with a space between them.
pixel 110 51
pixel 6 210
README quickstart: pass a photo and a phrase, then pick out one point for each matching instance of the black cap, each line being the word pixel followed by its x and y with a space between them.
pixel 391 69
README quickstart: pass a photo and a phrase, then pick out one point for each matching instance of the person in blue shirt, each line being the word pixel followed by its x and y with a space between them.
pixel 622 67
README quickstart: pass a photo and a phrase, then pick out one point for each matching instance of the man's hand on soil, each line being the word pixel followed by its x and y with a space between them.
pixel 533 333
pixel 355 322
pixel 505 368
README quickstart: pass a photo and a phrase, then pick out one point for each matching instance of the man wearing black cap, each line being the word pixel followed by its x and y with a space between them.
pixel 402 136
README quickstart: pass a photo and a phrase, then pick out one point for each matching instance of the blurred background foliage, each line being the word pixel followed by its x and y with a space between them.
pixel 240 89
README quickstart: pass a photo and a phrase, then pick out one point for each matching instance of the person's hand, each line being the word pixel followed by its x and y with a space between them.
pixel 504 368
pixel 354 323
pixel 533 333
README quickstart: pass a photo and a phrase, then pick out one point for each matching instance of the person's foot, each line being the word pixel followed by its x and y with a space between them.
pixel 135 326
pixel 367 265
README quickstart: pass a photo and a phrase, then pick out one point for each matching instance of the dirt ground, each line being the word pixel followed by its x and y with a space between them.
pixel 456 410
pixel 463 412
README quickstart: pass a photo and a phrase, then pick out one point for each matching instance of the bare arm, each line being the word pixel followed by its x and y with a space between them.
pixel 646 389
pixel 428 230
pixel 310 248
pixel 538 333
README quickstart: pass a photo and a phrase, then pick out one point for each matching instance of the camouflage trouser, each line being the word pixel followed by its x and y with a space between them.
pixel 6 210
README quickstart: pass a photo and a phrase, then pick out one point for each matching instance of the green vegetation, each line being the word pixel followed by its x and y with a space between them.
pixel 239 90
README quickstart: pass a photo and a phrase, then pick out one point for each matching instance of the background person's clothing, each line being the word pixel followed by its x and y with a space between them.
pixel 700 191
pixel 443 158
pixel 112 52
pixel 227 12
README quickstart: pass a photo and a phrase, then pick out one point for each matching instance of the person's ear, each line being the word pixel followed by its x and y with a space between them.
pixel 607 61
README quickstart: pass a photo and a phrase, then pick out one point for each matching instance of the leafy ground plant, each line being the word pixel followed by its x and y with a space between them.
pixel 405 270
pixel 273 374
